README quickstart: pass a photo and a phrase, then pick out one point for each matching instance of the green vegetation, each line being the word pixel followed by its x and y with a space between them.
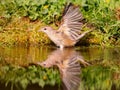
pixel 17 17
pixel 22 77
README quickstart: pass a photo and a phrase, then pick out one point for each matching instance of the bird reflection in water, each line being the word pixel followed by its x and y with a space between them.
pixel 68 61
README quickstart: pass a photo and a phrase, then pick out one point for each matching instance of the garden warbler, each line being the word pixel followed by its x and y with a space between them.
pixel 69 31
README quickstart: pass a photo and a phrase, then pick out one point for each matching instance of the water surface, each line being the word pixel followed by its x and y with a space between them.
pixel 40 68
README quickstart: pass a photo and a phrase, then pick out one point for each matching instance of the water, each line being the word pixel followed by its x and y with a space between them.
pixel 48 68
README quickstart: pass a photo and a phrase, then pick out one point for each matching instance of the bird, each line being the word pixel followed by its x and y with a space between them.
pixel 57 57
pixel 69 63
pixel 69 31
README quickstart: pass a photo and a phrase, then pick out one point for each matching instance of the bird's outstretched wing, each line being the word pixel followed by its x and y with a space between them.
pixel 71 21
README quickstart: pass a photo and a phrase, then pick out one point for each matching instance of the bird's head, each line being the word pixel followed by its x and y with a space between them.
pixel 46 29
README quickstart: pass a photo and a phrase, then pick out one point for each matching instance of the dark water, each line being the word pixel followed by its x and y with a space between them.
pixel 48 68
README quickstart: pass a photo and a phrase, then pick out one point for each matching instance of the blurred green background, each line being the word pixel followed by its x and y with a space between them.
pixel 18 17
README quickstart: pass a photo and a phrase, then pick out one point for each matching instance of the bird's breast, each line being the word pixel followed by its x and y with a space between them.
pixel 61 39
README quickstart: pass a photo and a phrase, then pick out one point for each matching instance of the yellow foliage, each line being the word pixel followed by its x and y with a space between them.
pixel 107 1
pixel 46 6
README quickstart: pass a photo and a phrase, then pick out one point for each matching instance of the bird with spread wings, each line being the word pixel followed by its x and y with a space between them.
pixel 69 32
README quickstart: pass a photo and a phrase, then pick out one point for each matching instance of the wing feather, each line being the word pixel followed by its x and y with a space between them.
pixel 71 25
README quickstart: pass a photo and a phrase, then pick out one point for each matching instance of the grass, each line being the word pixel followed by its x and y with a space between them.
pixel 22 31
pixel 17 17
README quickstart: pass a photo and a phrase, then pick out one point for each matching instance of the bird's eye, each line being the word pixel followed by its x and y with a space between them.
pixel 44 64
pixel 45 28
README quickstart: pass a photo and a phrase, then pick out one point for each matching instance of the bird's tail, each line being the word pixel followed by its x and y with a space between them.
pixel 82 35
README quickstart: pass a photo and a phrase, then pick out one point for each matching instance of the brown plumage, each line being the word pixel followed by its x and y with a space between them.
pixel 69 31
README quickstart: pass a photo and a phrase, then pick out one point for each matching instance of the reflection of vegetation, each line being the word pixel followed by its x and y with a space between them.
pixel 21 77
pixel 97 77
pixel 23 56
pixel 103 14
pixel 100 78
pixel 102 74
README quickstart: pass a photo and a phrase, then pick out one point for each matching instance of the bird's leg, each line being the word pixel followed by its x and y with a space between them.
pixel 61 47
